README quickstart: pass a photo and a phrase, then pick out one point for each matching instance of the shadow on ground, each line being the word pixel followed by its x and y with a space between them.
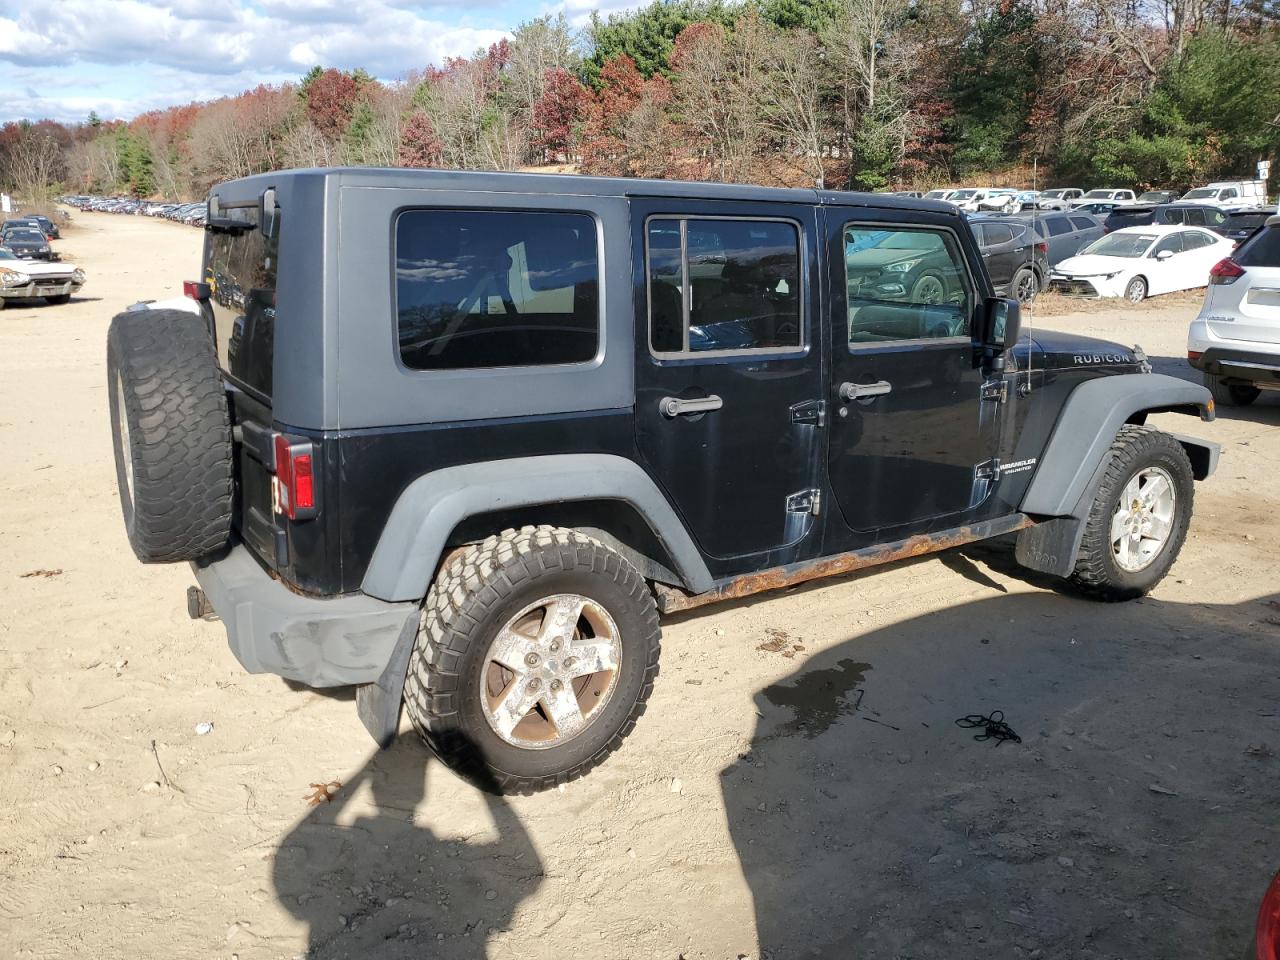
pixel 371 882
pixel 1136 819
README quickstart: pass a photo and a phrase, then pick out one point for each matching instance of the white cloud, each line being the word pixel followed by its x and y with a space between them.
pixel 211 47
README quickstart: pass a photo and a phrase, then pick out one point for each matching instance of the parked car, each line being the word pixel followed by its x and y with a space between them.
pixel 1000 201
pixel 914 194
pixel 1027 199
pixel 1229 193
pixel 56 282
pixel 1128 216
pixel 1190 214
pixel 1102 196
pixel 26 242
pixel 1099 208
pixel 1235 340
pixel 943 193
pixel 43 224
pixel 1154 198
pixel 1059 198
pixel 1240 225
pixel 968 199
pixel 1016 258
pixel 1140 262
pixel 1065 233
pixel 502 580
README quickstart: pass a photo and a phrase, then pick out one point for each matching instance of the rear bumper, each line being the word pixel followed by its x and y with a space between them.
pixel 1253 366
pixel 319 642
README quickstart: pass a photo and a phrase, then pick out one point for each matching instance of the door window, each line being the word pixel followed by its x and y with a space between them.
pixel 1194 240
pixel 1083 223
pixel 1059 226
pixel 723 286
pixel 1172 243
pixel 905 284
pixel 996 233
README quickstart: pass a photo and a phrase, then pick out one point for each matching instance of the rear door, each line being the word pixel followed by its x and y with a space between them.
pixel 727 372
pixel 911 432
pixel 1000 251
pixel 1249 308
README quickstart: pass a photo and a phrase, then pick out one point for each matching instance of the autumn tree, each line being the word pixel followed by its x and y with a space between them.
pixel 558 114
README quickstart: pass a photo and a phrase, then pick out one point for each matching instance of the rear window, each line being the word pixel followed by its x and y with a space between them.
pixel 1058 226
pixel 995 233
pixel 1246 221
pixel 241 271
pixel 1260 250
pixel 1117 220
pixel 496 288
pixel 1083 223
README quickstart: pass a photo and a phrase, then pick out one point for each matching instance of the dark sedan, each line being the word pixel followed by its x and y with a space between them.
pixel 27 243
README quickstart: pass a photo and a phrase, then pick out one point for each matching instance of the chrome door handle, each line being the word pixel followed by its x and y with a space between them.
pixel 674 406
pixel 856 391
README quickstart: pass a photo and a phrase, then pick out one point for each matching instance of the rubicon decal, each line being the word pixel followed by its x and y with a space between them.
pixel 1102 358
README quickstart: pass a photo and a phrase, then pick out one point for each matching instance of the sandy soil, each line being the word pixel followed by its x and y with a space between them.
pixel 798 787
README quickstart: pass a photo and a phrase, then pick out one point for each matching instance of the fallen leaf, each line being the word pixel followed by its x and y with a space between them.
pixel 324 792
pixel 41 573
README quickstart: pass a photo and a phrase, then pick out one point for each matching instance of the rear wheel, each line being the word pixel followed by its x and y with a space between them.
pixel 1136 291
pixel 1139 517
pixel 537 652
pixel 929 288
pixel 1025 285
pixel 1231 394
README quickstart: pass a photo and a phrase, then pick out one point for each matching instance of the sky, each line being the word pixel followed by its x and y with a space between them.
pixel 61 59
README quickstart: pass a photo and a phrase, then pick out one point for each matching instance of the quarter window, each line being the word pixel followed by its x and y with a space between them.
pixel 1083 223
pixel 1059 226
pixel 904 284
pixel 718 286
pixel 493 288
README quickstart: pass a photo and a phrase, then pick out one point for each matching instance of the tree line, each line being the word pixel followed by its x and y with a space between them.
pixel 861 94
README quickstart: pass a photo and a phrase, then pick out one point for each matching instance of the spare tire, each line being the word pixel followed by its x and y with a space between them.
pixel 171 430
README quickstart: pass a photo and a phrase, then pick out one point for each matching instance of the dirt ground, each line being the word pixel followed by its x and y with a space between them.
pixel 798 787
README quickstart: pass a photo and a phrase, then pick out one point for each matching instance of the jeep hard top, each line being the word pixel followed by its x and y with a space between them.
pixel 459 439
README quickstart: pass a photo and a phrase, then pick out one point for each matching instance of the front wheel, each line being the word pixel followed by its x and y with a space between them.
pixel 1139 517
pixel 537 652
pixel 1136 291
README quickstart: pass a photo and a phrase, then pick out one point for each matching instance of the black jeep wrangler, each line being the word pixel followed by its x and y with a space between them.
pixel 460 438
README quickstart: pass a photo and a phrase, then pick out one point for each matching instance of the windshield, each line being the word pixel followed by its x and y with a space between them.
pixel 24 236
pixel 7 254
pixel 1203 193
pixel 1098 195
pixel 1128 245
pixel 1053 194
pixel 937 194
pixel 963 194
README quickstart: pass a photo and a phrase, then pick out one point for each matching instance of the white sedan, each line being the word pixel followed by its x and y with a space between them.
pixel 1140 262
pixel 53 280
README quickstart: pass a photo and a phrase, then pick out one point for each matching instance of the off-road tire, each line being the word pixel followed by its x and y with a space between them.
pixel 469 602
pixel 1230 394
pixel 58 299
pixel 1135 448
pixel 161 365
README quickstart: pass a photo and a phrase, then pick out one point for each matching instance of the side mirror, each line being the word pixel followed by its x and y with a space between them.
pixel 267 212
pixel 1164 254
pixel 1000 328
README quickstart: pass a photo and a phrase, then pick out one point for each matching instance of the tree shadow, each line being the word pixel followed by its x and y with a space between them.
pixel 370 880
pixel 1135 817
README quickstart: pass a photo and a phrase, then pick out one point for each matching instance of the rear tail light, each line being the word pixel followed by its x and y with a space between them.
pixel 1225 271
pixel 295 491
pixel 196 291
pixel 1194 355
pixel 1042 247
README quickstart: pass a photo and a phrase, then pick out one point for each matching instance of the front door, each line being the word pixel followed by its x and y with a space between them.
pixel 912 439
pixel 727 377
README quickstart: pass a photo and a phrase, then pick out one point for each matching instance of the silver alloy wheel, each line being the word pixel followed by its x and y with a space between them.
pixel 1136 291
pixel 928 289
pixel 1143 520
pixel 550 671
pixel 1028 287
pixel 122 420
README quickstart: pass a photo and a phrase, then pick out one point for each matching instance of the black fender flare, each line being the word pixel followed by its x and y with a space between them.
pixel 426 513
pixel 1078 450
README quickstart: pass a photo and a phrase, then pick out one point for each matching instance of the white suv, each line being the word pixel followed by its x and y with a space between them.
pixel 1235 340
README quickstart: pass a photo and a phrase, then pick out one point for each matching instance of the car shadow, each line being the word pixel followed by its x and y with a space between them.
pixel 369 880
pixel 1134 818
